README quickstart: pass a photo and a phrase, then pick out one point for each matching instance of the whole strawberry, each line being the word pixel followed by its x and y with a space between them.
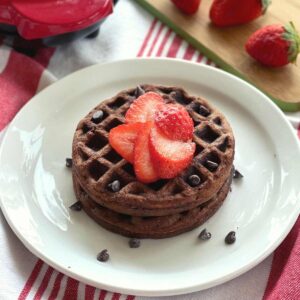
pixel 189 7
pixel 235 12
pixel 274 45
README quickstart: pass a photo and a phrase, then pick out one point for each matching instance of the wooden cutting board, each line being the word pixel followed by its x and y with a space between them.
pixel 225 46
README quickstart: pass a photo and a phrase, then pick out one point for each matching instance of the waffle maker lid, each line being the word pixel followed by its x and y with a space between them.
pixel 35 19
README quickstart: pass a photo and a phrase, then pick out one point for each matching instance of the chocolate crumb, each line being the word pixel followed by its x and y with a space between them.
pixel 230 238
pixel 103 256
pixel 69 162
pixel 134 243
pixel 204 235
pixel 237 174
pixel 77 206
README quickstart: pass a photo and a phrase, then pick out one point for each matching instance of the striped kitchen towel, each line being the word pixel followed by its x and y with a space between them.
pixel 23 276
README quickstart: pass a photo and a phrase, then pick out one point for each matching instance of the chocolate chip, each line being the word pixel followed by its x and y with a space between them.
pixel 211 165
pixel 103 256
pixel 138 91
pixel 115 186
pixel 203 111
pixel 237 174
pixel 77 206
pixel 230 238
pixel 69 162
pixel 204 235
pixel 97 116
pixel 134 243
pixel 194 180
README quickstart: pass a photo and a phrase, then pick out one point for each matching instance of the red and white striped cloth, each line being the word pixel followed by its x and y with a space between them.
pixel 129 32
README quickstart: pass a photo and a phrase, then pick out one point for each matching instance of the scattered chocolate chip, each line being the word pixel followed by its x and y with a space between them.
pixel 69 162
pixel 204 235
pixel 237 174
pixel 138 91
pixel 97 116
pixel 115 186
pixel 134 243
pixel 230 238
pixel 103 256
pixel 203 111
pixel 211 165
pixel 194 180
pixel 77 206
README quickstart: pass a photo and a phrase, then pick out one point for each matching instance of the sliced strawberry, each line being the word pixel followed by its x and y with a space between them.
pixel 169 157
pixel 143 108
pixel 122 139
pixel 143 167
pixel 174 121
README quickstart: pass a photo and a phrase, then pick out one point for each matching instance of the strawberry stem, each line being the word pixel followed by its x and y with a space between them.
pixel 265 4
pixel 292 36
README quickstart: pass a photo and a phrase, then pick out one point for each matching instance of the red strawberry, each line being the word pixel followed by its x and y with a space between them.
pixel 174 121
pixel 236 12
pixel 122 139
pixel 274 45
pixel 189 7
pixel 168 156
pixel 143 108
pixel 143 167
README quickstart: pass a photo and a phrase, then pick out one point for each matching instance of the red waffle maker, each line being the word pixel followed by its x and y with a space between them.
pixel 28 24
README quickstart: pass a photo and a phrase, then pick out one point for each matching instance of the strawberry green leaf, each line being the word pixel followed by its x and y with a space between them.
pixel 292 36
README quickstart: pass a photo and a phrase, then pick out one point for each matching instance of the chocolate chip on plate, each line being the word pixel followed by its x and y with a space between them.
pixel 134 243
pixel 203 111
pixel 103 256
pixel 237 174
pixel 69 162
pixel 77 206
pixel 204 235
pixel 211 165
pixel 230 238
pixel 97 116
pixel 194 180
pixel 115 186
pixel 138 91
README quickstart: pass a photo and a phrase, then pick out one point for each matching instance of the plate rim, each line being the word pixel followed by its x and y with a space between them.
pixel 150 292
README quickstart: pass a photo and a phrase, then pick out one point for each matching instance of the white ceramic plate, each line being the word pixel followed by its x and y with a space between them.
pixel 36 188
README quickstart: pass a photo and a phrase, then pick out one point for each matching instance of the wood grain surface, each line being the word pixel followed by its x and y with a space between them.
pixel 226 45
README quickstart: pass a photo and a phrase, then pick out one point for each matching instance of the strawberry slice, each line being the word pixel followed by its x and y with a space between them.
pixel 122 139
pixel 143 108
pixel 143 167
pixel 175 122
pixel 169 157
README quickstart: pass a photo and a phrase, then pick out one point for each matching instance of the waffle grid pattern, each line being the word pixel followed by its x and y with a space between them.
pixel 97 164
